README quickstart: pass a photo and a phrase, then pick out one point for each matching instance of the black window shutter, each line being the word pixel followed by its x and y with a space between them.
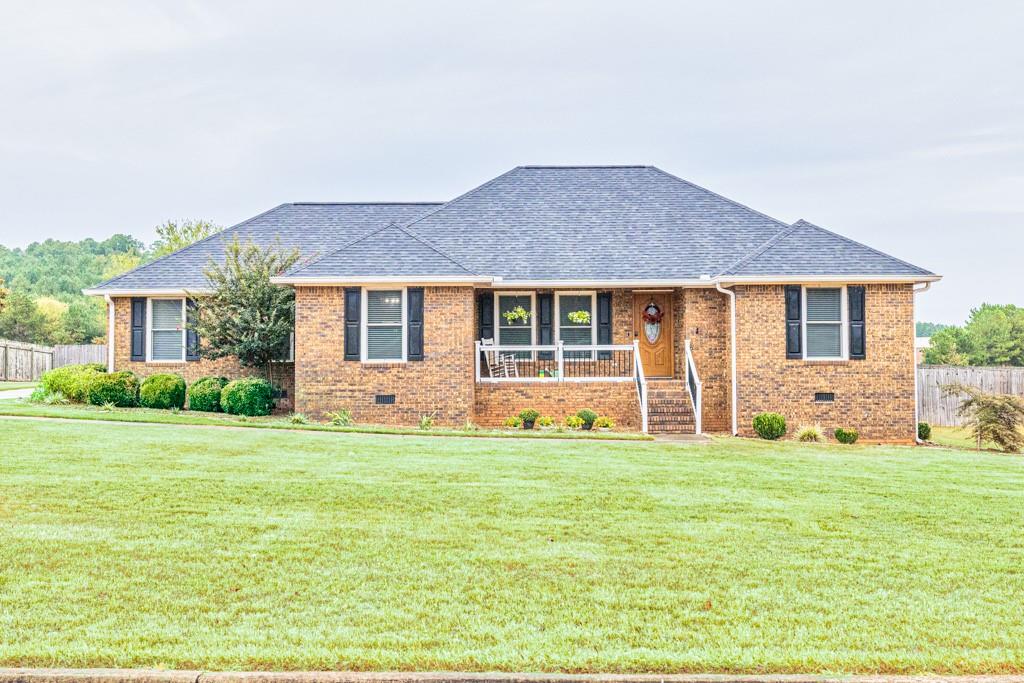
pixel 545 324
pixel 855 294
pixel 485 310
pixel 191 336
pixel 604 323
pixel 138 328
pixel 793 313
pixel 414 322
pixel 353 303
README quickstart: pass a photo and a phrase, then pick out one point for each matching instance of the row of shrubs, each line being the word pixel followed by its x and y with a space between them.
pixel 772 426
pixel 585 419
pixel 91 383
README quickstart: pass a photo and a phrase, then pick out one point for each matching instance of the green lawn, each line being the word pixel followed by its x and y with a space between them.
pixel 10 386
pixel 153 545
pixel 958 437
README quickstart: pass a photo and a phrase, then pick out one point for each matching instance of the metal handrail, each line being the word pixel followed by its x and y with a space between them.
pixel 693 386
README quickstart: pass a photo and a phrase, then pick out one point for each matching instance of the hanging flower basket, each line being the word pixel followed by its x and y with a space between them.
pixel 579 317
pixel 516 314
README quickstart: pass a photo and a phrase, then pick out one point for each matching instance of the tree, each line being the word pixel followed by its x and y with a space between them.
pixel 173 236
pixel 949 346
pixel 247 316
pixel 997 335
pixel 928 329
pixel 21 320
pixel 3 294
pixel 998 418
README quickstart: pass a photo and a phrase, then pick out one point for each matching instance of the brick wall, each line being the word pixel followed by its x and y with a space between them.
pixel 706 325
pixel 442 383
pixel 284 373
pixel 874 396
pixel 617 400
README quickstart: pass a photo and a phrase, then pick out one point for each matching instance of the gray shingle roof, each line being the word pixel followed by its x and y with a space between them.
pixel 315 229
pixel 391 251
pixel 540 223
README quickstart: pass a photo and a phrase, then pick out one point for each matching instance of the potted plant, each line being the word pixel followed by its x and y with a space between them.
pixel 588 416
pixel 546 422
pixel 574 422
pixel 579 317
pixel 517 314
pixel 604 423
pixel 513 422
pixel 528 416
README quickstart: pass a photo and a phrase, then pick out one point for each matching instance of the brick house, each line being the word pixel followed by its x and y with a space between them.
pixel 622 289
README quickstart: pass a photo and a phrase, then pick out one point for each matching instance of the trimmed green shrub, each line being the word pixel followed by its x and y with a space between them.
pixel 250 396
pixel 847 436
pixel 588 416
pixel 164 390
pixel 119 388
pixel 204 394
pixel 71 380
pixel 810 434
pixel 770 426
pixel 924 431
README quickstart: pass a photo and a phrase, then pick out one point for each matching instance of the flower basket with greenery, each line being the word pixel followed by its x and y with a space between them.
pixel 588 416
pixel 517 314
pixel 579 317
pixel 528 416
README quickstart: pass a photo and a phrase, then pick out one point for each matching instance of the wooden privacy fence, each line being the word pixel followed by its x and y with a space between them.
pixel 21 362
pixel 937 409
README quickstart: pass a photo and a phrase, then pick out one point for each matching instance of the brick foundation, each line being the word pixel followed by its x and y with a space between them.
pixel 617 400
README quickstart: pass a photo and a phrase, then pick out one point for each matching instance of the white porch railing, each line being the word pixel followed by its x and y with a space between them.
pixel 693 386
pixel 641 383
pixel 555 363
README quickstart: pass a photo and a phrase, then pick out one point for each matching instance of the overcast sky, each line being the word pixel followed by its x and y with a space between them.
pixel 897 124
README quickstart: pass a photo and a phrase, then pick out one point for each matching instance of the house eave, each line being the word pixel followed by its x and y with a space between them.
pixel 726 280
pixel 150 291
pixel 383 279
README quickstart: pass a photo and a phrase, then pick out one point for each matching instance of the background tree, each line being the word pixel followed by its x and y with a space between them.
pixel 21 320
pixel 247 316
pixel 949 346
pixel 928 329
pixel 993 335
pixel 172 235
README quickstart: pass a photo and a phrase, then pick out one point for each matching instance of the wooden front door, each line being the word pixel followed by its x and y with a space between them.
pixel 655 337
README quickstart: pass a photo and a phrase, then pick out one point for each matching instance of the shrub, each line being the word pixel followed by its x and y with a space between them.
pixel 38 395
pixel 249 396
pixel 204 394
pixel 470 426
pixel 529 415
pixel 924 431
pixel 847 436
pixel 998 418
pixel 342 418
pixel 604 422
pixel 513 422
pixel 298 419
pixel 71 380
pixel 119 388
pixel 545 421
pixel 588 416
pixel 769 426
pixel 163 390
pixel 574 422
pixel 810 434
pixel 427 421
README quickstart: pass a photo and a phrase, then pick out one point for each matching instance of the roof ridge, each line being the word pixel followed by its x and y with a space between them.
pixel 850 240
pixel 772 241
pixel 462 196
pixel 722 197
pixel 585 166
pixel 437 249
pixel 189 246
pixel 366 203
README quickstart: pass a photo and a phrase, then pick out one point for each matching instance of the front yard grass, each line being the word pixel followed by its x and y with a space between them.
pixel 11 386
pixel 154 545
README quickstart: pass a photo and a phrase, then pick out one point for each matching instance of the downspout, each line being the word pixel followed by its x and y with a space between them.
pixel 913 356
pixel 110 332
pixel 732 342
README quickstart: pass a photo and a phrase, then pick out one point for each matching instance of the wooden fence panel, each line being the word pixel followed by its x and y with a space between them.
pixel 24 362
pixel 74 354
pixel 937 409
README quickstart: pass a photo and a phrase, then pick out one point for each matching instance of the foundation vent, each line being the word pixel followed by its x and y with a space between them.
pixel 384 399
pixel 824 397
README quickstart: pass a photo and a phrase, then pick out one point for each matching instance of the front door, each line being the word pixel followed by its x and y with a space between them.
pixel 652 325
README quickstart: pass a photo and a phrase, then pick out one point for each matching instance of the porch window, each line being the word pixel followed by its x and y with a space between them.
pixel 167 330
pixel 824 322
pixel 383 325
pixel 515 331
pixel 576 323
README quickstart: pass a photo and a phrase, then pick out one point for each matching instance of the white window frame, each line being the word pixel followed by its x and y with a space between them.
pixel 533 317
pixel 149 328
pixel 364 347
pixel 592 293
pixel 844 324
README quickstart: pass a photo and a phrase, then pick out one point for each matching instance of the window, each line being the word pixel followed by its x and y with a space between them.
pixel 287 352
pixel 383 325
pixel 167 330
pixel 825 317
pixel 517 332
pixel 575 316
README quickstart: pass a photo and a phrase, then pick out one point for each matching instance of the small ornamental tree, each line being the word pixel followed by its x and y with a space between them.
pixel 247 316
pixel 998 418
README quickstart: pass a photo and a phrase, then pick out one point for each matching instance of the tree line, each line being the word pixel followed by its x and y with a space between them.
pixel 992 335
pixel 41 300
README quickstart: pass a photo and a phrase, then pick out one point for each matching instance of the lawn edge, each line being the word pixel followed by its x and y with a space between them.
pixel 29 675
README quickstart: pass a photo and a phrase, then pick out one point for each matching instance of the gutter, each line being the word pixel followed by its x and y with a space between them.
pixel 110 332
pixel 913 358
pixel 732 343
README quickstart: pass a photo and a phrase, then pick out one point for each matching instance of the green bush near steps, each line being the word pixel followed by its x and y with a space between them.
pixel 205 392
pixel 250 396
pixel 770 426
pixel 163 391
pixel 119 388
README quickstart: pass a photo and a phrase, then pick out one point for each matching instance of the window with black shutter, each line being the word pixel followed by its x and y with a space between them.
pixel 353 303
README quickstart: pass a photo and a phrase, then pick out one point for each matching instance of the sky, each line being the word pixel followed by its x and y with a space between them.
pixel 898 124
